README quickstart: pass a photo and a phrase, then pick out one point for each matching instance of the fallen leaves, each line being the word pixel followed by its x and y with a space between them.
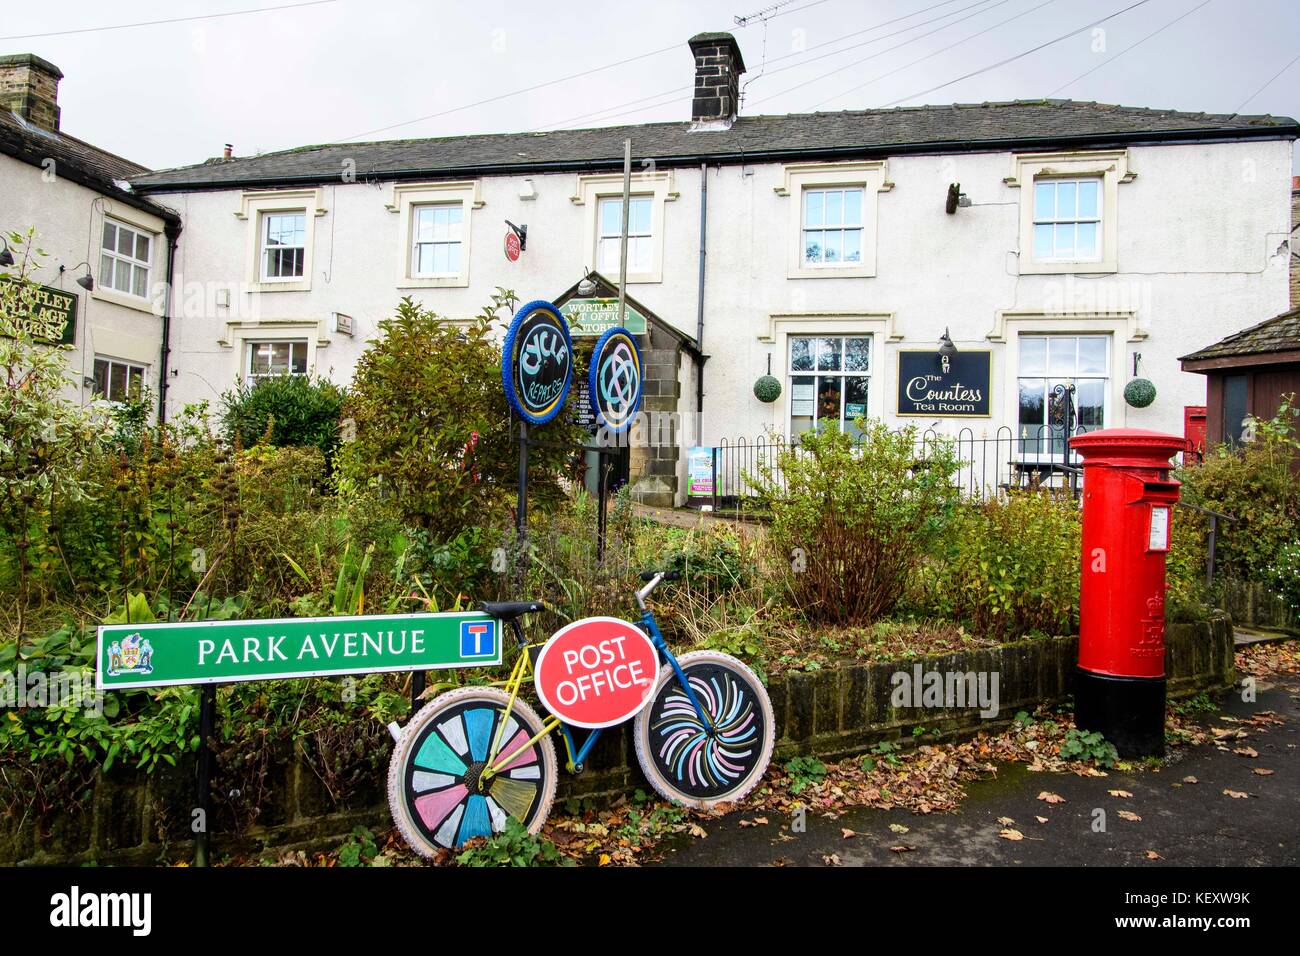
pixel 1235 794
pixel 1008 833
pixel 1153 855
pixel 1190 779
pixel 1263 771
pixel 899 828
pixel 1123 794
pixel 1048 797
pixel 1041 819
pixel 1130 816
pixel 1246 751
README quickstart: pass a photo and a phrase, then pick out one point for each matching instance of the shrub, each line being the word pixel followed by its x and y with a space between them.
pixel 1255 484
pixel 1009 566
pixel 1285 575
pixel 854 519
pixel 433 429
pixel 284 410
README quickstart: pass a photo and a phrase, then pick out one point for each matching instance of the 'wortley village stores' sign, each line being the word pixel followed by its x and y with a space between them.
pixel 53 318
pixel 588 317
pixel 208 652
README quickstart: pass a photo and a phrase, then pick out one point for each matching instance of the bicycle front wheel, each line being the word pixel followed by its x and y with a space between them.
pixel 701 766
pixel 435 791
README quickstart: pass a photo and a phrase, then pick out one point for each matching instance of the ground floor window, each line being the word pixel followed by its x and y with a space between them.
pixel 1064 383
pixel 116 380
pixel 276 358
pixel 829 381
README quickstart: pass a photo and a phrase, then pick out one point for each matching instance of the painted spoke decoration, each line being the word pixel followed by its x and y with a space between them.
pixel 702 764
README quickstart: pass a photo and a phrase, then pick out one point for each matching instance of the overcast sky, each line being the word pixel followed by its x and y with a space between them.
pixel 171 94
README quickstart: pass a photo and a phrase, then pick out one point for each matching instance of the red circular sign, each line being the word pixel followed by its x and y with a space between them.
pixel 512 246
pixel 596 672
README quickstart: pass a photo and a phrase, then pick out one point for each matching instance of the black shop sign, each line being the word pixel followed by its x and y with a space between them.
pixel 935 386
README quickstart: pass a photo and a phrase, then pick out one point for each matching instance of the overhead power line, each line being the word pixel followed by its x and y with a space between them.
pixel 922 59
pixel 1021 56
pixel 1134 46
pixel 154 23
pixel 1268 84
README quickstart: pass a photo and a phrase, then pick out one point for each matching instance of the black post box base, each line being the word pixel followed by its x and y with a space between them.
pixel 1128 711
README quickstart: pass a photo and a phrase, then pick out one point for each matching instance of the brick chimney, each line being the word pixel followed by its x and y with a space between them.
pixel 718 66
pixel 29 86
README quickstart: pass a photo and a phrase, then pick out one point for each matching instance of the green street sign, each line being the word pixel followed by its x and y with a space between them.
pixel 214 652
pixel 595 317
pixel 54 319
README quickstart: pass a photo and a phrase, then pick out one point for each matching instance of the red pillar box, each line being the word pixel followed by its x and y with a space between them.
pixel 1128 505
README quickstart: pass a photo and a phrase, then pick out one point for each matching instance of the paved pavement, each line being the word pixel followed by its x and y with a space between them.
pixel 1186 824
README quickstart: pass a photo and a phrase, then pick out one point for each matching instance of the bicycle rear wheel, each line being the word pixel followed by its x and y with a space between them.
pixel 434 788
pixel 686 763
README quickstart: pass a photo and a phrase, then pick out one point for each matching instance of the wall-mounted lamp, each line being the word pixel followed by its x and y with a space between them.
pixel 947 350
pixel 955 198
pixel 588 285
pixel 87 281
pixel 6 257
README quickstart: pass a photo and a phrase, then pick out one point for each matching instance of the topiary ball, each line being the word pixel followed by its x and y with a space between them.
pixel 767 388
pixel 1140 392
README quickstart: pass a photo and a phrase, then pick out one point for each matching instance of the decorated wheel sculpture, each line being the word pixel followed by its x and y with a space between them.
pixel 615 379
pixel 537 362
pixel 436 790
pixel 703 766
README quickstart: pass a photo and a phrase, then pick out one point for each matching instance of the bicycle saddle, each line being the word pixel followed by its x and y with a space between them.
pixel 508 610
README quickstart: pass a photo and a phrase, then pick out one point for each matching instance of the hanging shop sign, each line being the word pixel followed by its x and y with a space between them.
pixel 54 318
pixel 214 652
pixel 936 386
pixel 596 672
pixel 512 246
pixel 537 362
pixel 595 317
pixel 615 380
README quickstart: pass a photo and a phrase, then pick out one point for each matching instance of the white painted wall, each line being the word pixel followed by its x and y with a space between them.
pixel 68 219
pixel 1200 254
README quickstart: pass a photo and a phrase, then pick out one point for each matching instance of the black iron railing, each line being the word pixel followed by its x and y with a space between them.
pixel 989 465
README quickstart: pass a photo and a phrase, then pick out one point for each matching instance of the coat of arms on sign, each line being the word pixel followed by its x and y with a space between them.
pixel 131 655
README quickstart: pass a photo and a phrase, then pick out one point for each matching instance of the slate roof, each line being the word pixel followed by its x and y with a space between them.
pixel 75 159
pixel 1278 334
pixel 1040 124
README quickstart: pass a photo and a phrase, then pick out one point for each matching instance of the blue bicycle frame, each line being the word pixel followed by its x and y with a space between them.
pixel 648 624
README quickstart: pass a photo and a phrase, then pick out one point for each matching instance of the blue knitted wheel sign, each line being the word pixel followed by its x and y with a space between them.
pixel 615 380
pixel 537 362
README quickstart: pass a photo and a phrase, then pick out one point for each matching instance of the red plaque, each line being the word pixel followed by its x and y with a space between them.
pixel 596 672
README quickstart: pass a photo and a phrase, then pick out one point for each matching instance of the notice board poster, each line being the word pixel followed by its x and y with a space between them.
pixel 935 386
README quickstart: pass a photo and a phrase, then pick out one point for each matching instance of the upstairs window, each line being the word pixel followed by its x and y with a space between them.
pixel 436 235
pixel 1067 220
pixel 124 258
pixel 284 245
pixel 832 226
pixel 640 251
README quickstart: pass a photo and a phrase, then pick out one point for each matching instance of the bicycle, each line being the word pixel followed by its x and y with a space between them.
pixel 473 757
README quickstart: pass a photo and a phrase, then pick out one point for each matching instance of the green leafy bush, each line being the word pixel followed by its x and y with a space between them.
pixel 853 519
pixel 1285 575
pixel 1008 566
pixel 284 410
pixel 433 430
pixel 513 846
pixel 1255 484
pixel 1088 745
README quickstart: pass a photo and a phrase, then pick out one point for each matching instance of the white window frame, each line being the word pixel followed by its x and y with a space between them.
pixel 1112 167
pixel 147 224
pixel 1044 449
pixel 841 373
pixel 406 199
pixel 250 347
pixel 264 227
pixel 113 256
pixel 614 239
pixel 843 227
pixel 456 228
pixel 871 177
pixel 131 367
pixel 1078 219
pixel 590 190
pixel 253 208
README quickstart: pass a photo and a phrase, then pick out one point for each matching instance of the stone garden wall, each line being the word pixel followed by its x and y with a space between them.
pixel 832 714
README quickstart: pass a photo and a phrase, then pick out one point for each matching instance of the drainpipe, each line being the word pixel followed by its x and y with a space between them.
pixel 173 233
pixel 699 315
